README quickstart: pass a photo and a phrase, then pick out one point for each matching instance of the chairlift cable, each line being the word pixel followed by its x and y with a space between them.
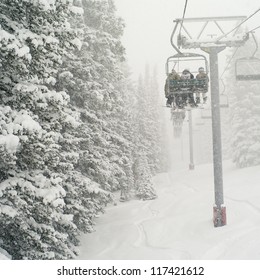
pixel 238 25
pixel 183 16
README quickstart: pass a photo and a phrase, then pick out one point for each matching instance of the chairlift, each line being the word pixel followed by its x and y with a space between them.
pixel 248 68
pixel 183 89
pixel 177 117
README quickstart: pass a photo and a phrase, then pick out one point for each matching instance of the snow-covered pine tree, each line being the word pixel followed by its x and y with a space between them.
pixel 143 183
pixel 245 113
pixel 84 199
pixel 159 130
pixel 33 224
pixel 126 127
pixel 142 168
pixel 35 220
pixel 95 75
pixel 151 131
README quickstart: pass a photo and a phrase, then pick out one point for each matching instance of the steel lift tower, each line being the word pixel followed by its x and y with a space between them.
pixel 212 46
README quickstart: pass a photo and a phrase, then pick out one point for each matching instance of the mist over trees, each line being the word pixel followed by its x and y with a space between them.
pixel 74 128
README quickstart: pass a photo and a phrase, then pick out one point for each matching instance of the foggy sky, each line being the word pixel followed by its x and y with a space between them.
pixel 149 24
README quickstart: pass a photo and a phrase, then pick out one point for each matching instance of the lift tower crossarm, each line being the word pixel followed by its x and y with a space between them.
pixel 189 42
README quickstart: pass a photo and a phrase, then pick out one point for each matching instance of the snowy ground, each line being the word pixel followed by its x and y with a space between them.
pixel 178 225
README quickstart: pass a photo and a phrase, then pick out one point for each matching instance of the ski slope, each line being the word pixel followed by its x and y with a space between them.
pixel 178 224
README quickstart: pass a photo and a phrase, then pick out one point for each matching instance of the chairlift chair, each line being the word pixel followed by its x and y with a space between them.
pixel 183 88
pixel 177 117
pixel 248 68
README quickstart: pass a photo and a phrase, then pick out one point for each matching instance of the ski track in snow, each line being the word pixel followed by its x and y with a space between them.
pixel 143 239
pixel 251 205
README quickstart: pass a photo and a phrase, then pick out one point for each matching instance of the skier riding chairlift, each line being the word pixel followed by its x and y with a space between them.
pixel 169 90
pixel 189 87
pixel 202 87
